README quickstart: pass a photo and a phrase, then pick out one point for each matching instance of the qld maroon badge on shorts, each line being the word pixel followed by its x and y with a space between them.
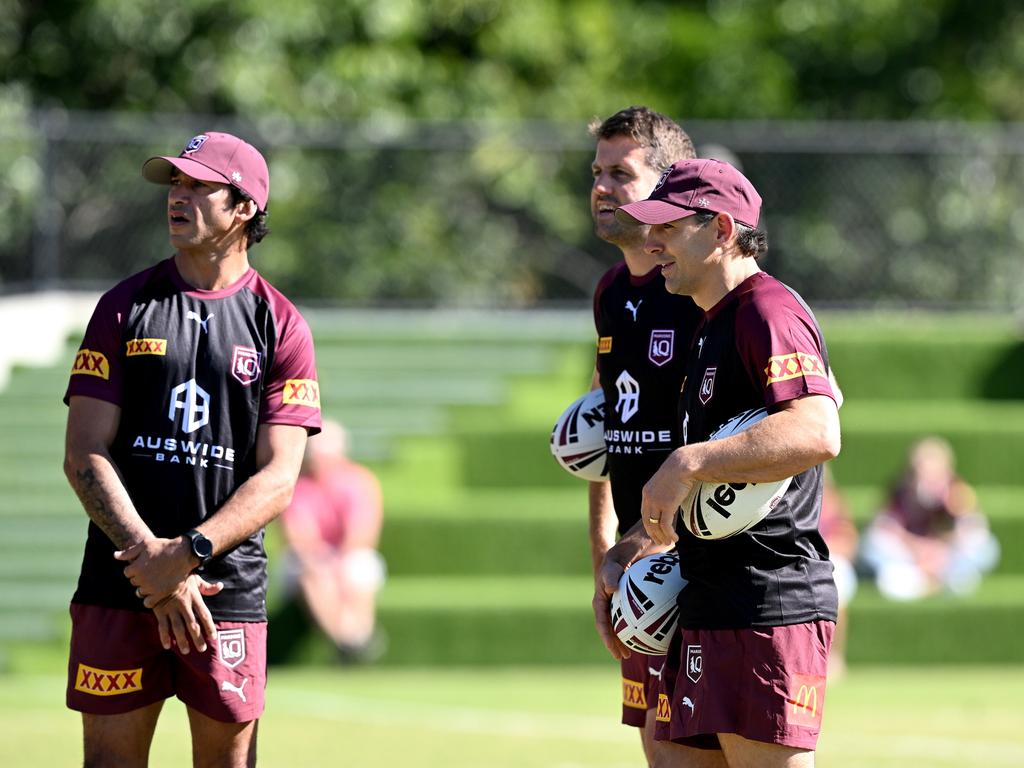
pixel 245 365
pixel 694 663
pixel 231 647
pixel 232 685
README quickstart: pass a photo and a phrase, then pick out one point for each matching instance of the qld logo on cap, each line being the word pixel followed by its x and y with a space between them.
pixel 195 143
pixel 662 180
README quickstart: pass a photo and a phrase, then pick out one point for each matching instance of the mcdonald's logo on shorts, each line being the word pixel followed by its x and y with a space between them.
pixel 146 347
pixel 633 694
pixel 89 363
pixel 301 392
pixel 107 682
pixel 806 700
pixel 664 713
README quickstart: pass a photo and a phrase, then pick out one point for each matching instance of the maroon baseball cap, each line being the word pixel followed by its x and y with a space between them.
pixel 691 186
pixel 221 157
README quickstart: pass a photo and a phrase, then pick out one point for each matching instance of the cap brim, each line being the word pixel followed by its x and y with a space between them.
pixel 158 170
pixel 652 212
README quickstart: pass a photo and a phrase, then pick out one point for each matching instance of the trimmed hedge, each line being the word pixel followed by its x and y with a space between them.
pixel 984 628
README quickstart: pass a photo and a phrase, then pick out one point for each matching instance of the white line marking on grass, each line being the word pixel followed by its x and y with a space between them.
pixel 452 719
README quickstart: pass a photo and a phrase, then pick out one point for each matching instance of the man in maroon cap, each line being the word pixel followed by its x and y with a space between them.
pixel 190 401
pixel 745 680
pixel 643 334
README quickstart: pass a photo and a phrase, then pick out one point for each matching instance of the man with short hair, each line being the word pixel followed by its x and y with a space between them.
pixel 190 401
pixel 745 680
pixel 643 334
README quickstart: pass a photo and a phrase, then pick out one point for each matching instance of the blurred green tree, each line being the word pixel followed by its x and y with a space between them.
pixel 369 65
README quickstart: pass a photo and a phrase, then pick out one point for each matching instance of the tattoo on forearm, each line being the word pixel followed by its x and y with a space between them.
pixel 95 500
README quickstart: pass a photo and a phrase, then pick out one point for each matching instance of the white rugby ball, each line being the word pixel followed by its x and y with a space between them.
pixel 644 610
pixel 577 441
pixel 720 510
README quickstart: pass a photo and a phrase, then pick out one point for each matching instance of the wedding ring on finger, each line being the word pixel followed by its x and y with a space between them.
pixel 138 592
pixel 653 519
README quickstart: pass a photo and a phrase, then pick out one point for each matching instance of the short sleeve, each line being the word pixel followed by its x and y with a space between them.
pixel 784 352
pixel 292 394
pixel 604 343
pixel 97 369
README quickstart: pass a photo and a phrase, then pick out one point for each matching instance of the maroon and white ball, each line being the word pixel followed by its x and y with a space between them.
pixel 643 608
pixel 577 441
pixel 720 510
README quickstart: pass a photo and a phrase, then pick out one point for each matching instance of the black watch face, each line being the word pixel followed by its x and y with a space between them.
pixel 202 546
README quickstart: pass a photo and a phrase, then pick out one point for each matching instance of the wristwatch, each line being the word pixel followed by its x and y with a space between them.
pixel 201 546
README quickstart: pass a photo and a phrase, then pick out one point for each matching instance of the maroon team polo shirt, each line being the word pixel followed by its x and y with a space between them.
pixel 195 373
pixel 759 347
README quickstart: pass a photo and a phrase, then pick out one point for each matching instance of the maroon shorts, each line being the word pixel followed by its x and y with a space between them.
pixel 641 681
pixel 117 665
pixel 763 683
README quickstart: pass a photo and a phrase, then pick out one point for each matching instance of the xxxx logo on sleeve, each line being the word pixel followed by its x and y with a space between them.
pixel 786 367
pixel 301 392
pixel 107 682
pixel 89 363
pixel 146 347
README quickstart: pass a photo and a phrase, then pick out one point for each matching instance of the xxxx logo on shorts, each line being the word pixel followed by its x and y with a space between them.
pixel 107 682
pixel 633 694
pixel 664 713
pixel 785 367
pixel 89 363
pixel 301 392
pixel 146 347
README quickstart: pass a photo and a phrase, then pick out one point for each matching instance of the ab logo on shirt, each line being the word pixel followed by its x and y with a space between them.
pixel 194 403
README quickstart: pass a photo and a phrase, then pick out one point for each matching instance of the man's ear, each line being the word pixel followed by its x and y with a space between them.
pixel 725 227
pixel 246 210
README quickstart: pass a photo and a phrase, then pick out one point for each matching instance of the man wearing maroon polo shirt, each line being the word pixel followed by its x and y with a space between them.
pixel 745 679
pixel 190 400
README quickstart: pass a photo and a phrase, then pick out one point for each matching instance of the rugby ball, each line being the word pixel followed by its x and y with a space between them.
pixel 577 441
pixel 720 510
pixel 644 610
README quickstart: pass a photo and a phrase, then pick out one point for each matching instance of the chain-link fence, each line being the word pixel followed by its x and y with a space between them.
pixel 497 214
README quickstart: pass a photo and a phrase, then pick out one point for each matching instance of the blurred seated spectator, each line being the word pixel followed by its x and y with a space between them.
pixel 930 535
pixel 332 528
pixel 840 534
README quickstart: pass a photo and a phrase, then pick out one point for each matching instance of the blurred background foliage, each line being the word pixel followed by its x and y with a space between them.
pixel 435 150
pixel 514 59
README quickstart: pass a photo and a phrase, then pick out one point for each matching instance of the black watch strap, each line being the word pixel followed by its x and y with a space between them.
pixel 201 546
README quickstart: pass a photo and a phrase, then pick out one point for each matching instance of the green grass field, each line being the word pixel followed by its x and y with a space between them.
pixel 889 717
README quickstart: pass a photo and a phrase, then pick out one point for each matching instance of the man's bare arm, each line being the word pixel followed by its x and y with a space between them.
pixel 90 469
pixel 803 433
